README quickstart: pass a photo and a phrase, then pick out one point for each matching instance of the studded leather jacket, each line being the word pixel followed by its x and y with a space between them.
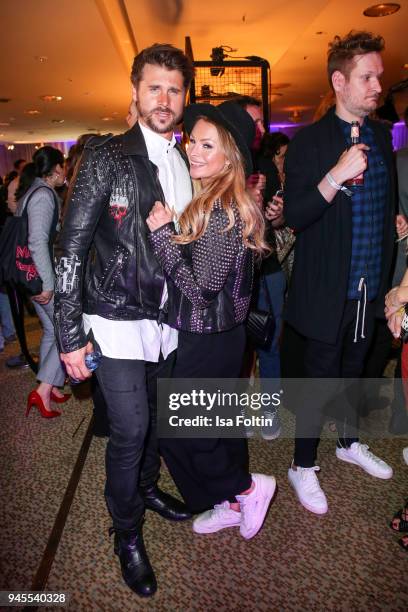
pixel 210 280
pixel 104 262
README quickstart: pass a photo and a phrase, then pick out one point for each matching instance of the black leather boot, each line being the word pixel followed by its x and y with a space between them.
pixel 164 504
pixel 134 562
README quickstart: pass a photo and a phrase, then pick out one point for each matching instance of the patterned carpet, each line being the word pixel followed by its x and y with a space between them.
pixel 344 561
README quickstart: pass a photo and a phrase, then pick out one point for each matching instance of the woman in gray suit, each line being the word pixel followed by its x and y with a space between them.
pixel 43 207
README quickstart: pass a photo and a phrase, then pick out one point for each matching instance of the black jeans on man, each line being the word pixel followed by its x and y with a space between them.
pixel 129 388
pixel 344 359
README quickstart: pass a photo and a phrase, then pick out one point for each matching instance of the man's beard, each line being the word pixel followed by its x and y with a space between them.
pixel 159 128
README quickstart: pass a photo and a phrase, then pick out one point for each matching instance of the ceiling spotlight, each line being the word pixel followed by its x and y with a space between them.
pixel 10 147
pixel 32 111
pixel 49 98
pixel 57 120
pixel 107 118
pixel 295 117
pixel 41 58
pixel 382 10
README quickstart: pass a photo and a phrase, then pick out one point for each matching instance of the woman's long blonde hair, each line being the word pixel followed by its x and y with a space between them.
pixel 228 186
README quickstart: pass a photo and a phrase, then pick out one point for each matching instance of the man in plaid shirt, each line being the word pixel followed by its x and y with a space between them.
pixel 343 252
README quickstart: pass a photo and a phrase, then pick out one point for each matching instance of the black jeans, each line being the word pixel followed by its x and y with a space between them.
pixel 344 359
pixel 129 388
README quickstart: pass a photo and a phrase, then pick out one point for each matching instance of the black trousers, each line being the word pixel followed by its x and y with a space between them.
pixel 344 359
pixel 208 471
pixel 129 388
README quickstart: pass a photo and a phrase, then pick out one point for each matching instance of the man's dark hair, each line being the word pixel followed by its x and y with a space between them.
pixel 245 101
pixel 342 51
pixel 272 143
pixel 164 55
pixel 18 163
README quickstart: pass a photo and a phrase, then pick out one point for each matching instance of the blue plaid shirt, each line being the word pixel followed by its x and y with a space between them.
pixel 368 210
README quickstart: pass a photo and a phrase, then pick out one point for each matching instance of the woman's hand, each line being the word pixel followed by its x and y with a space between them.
pixel 401 226
pixel 75 362
pixel 44 297
pixel 159 216
pixel 274 209
pixel 394 323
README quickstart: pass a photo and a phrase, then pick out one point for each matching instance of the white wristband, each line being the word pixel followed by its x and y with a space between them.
pixel 336 186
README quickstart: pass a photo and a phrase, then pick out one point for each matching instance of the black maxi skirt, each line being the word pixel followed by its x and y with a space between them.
pixel 208 471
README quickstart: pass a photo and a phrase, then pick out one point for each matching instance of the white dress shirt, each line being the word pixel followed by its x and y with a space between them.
pixel 146 339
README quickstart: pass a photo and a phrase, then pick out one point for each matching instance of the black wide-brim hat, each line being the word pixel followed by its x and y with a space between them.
pixel 233 118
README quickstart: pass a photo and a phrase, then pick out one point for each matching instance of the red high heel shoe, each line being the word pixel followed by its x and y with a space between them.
pixel 35 399
pixel 60 400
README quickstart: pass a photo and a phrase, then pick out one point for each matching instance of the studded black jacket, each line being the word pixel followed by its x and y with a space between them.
pixel 104 262
pixel 209 280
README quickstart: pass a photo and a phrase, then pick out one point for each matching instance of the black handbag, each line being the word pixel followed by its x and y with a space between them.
pixel 16 264
pixel 260 324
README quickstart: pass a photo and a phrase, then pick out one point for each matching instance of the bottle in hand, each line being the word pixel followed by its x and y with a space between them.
pixel 355 139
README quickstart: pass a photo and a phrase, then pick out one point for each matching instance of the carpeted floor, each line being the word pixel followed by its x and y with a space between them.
pixel 344 561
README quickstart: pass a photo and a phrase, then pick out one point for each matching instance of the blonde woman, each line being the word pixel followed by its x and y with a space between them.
pixel 209 265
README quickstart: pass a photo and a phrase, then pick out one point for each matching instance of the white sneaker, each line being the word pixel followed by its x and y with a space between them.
pixel 254 505
pixel 360 455
pixel 219 518
pixel 405 454
pixel 307 488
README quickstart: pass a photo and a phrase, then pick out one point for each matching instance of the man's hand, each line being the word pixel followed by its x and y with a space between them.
pixel 351 163
pixel 43 297
pixel 159 216
pixel 75 362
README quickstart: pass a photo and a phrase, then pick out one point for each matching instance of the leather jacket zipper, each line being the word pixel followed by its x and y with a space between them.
pixel 108 279
pixel 155 176
pixel 137 239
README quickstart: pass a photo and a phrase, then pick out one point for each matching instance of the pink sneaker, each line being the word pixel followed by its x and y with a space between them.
pixel 254 506
pixel 219 518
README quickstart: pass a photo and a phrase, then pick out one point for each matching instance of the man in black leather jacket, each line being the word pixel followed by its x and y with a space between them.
pixel 110 288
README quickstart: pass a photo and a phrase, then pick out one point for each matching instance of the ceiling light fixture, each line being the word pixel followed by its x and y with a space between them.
pixel 49 98
pixel 57 120
pixel 41 58
pixel 32 111
pixel 10 147
pixel 382 10
pixel 296 116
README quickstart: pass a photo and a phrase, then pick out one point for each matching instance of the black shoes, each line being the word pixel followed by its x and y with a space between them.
pixel 134 562
pixel 18 362
pixel 164 504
